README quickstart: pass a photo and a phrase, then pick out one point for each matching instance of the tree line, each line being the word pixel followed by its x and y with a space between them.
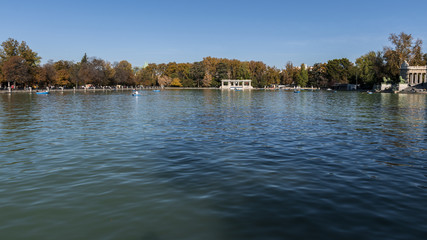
pixel 20 66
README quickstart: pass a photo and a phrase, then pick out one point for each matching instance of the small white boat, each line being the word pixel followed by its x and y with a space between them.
pixel 135 93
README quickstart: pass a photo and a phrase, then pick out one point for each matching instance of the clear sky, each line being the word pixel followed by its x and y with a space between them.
pixel 271 31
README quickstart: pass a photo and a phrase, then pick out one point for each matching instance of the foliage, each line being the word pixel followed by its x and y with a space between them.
pixel 257 73
pixel 197 73
pixel 338 71
pixel 318 76
pixel 123 73
pixel 404 49
pixel 207 80
pixel 221 73
pixel 176 83
pixel 302 77
pixel 148 75
pixel 46 75
pixel 63 72
pixel 289 74
pixel 164 80
pixel 368 69
pixel 12 48
pixel 16 70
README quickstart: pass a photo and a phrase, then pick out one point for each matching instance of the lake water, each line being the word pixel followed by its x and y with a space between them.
pixel 211 164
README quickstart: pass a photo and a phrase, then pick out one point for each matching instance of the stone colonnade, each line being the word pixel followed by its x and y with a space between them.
pixel 417 78
pixel 414 75
pixel 236 84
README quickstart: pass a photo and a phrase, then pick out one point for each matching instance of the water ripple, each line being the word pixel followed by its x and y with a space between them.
pixel 213 165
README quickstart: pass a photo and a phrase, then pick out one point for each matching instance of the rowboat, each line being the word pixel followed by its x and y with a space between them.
pixel 45 92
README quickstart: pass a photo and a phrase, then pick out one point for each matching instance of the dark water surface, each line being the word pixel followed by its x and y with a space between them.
pixel 210 164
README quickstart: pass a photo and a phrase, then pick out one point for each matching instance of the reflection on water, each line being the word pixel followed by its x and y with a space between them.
pixel 211 164
pixel 404 117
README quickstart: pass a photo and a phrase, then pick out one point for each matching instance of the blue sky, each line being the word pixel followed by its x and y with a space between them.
pixel 271 31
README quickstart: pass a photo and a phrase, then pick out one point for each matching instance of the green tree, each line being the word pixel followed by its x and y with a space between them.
pixel 197 73
pixel 370 69
pixel 243 71
pixel 317 75
pixel 302 77
pixel 9 48
pixel 12 48
pixel 272 76
pixel 221 73
pixel 257 71
pixel 365 68
pixel 183 73
pixel 172 70
pixel 338 71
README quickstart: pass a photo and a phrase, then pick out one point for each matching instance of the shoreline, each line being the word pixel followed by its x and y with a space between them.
pixel 181 88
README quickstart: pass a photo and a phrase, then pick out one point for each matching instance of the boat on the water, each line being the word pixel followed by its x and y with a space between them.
pixel 156 90
pixel 45 92
pixel 135 93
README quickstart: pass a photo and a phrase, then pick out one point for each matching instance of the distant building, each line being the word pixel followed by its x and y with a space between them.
pixel 236 84
pixel 413 75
